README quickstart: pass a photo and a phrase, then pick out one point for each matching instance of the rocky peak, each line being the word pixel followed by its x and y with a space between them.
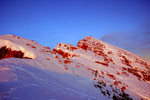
pixel 90 43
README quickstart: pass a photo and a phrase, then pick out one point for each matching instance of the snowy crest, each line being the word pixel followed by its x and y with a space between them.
pixel 93 69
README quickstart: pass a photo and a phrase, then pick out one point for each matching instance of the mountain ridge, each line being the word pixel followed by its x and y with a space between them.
pixel 116 73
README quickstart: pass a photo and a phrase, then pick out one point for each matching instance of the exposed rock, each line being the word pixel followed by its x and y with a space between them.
pixel 8 53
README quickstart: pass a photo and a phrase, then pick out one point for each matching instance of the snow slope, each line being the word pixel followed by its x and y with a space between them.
pixel 92 70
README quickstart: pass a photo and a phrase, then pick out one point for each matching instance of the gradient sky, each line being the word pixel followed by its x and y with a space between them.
pixel 124 23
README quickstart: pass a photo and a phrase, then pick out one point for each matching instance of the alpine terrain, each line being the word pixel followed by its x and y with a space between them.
pixel 92 70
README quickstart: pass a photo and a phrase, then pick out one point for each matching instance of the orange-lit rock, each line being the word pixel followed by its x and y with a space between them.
pixel 8 53
pixel 111 76
pixel 105 64
pixel 67 61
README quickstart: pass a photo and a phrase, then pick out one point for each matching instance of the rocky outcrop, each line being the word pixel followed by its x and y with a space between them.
pixel 8 53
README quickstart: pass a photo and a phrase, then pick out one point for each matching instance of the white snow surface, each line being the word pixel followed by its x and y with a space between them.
pixel 80 62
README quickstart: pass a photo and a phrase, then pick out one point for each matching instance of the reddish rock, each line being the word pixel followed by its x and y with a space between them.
pixel 105 64
pixel 101 76
pixel 106 60
pixel 8 53
pixel 59 44
pixel 30 45
pixel 123 68
pixel 67 61
pixel 146 76
pixel 126 61
pixel 118 73
pixel 91 69
pixel 142 63
pixel 27 44
pixel 116 83
pixel 33 47
pixel 70 47
pixel 123 88
pixel 134 72
pixel 62 53
pixel 102 72
pixel 124 73
pixel 83 46
pixel 47 47
pixel 110 52
pixel 111 76
pixel 56 57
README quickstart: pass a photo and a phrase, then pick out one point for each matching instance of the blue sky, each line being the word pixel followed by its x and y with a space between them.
pixel 119 22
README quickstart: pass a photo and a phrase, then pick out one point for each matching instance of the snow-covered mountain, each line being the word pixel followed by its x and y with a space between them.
pixel 92 70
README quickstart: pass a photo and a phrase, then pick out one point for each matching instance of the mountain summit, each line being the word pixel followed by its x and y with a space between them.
pixel 92 70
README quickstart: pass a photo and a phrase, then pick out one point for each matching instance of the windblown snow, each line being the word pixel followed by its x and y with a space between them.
pixel 92 70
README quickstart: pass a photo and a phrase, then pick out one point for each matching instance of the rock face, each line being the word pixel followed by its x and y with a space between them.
pixel 8 53
pixel 92 70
